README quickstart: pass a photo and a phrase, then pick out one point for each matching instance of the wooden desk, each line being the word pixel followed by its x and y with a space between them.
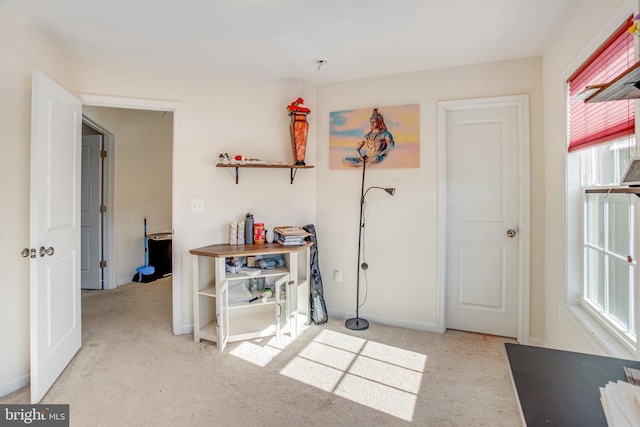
pixel 217 319
pixel 561 388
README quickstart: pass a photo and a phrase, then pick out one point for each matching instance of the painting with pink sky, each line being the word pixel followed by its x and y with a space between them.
pixel 389 136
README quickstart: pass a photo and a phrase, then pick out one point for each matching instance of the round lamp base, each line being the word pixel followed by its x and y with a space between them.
pixel 356 324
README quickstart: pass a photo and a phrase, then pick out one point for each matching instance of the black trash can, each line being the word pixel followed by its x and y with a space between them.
pixel 160 247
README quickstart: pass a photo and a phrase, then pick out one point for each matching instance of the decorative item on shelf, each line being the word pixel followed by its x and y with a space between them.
pixel 298 129
pixel 239 159
pixel 233 233
pixel 223 158
pixel 258 233
pixel 253 162
pixel 248 229
pixel 268 236
pixel 241 232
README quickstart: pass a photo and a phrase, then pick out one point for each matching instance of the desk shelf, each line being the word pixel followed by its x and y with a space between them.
pixel 210 291
pixel 208 332
pixel 274 272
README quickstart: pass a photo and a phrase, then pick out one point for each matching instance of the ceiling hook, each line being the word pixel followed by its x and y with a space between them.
pixel 320 62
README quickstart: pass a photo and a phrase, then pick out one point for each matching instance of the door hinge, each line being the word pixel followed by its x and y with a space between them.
pixel 103 153
pixel 103 209
pixel 103 264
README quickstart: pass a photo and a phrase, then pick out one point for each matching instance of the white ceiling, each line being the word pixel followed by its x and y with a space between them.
pixel 281 38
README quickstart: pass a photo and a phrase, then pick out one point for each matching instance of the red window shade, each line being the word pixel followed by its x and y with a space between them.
pixel 600 122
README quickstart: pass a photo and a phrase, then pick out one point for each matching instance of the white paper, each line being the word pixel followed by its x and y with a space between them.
pixel 238 292
pixel 619 404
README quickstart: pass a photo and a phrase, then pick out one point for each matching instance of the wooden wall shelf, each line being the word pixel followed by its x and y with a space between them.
pixel 292 168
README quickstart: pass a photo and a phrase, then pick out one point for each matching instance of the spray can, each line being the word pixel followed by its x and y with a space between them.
pixel 248 229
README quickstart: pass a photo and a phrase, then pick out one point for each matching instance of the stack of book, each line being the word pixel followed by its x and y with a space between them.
pixel 290 236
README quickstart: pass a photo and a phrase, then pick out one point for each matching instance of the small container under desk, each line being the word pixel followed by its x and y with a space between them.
pixel 216 319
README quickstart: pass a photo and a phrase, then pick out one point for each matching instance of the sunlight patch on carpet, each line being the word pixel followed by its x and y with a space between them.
pixel 328 355
pixel 315 374
pixel 372 374
pixel 378 396
pixel 261 352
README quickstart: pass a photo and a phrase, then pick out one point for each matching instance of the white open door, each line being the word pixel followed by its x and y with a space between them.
pixel 56 127
pixel 91 215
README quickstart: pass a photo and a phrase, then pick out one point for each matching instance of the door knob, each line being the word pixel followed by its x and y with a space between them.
pixel 48 251
pixel 511 232
pixel 26 252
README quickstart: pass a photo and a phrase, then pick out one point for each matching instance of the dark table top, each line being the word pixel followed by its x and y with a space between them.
pixel 562 388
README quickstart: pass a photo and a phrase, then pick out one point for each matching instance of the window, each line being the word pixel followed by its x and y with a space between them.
pixel 609 222
pixel 601 144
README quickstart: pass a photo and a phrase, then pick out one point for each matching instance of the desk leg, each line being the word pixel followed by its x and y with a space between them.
pixel 293 317
pixel 196 306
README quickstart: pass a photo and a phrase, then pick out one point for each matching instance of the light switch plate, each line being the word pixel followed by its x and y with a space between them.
pixel 197 205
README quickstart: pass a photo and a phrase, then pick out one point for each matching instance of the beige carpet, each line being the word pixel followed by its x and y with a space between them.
pixel 131 370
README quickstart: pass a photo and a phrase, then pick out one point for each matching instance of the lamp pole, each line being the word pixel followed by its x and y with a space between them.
pixel 356 323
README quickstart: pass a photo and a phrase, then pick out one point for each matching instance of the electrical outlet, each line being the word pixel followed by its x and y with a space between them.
pixel 197 205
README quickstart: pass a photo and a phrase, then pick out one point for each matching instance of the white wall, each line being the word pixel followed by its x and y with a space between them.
pixel 21 50
pixel 217 114
pixel 583 33
pixel 402 230
pixel 143 159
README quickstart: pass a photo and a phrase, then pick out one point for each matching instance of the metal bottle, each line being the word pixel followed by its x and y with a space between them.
pixel 248 229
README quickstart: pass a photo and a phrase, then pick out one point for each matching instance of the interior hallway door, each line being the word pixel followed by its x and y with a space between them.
pixel 482 220
pixel 91 215
pixel 56 128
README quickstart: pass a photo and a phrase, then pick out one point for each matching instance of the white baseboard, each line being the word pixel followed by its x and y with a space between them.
pixel 536 342
pixel 14 385
pixel 124 281
pixel 420 326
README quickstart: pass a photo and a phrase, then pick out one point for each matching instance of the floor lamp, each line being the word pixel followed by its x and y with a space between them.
pixel 357 323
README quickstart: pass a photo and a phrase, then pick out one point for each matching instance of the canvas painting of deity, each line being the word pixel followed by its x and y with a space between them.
pixel 386 137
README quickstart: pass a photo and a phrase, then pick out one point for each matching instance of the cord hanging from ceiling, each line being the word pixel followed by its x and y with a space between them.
pixel 320 62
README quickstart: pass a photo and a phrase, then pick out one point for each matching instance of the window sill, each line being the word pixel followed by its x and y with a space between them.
pixel 613 189
pixel 600 334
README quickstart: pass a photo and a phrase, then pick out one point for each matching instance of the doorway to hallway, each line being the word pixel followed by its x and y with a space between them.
pixel 140 143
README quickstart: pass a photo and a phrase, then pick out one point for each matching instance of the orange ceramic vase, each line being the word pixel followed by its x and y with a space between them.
pixel 299 129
